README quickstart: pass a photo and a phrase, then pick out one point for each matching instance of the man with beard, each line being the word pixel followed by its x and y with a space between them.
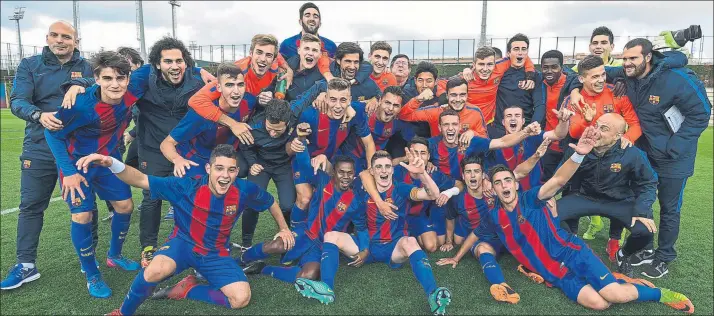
pixel 379 57
pixel 400 69
pixel 601 45
pixel 349 64
pixel 484 77
pixel 310 21
pixel 34 99
pixel 471 207
pixel 388 242
pixel 673 109
pixel 303 66
pixel 167 83
pixel 383 124
pixel 324 144
pixel 528 229
pixel 513 90
pixel 472 120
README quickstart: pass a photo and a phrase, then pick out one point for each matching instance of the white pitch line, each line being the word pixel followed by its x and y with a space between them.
pixel 13 210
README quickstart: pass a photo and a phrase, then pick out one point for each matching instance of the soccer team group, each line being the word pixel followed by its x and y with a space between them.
pixel 370 163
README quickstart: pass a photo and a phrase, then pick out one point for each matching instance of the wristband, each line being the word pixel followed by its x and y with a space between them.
pixel 117 166
pixel 451 192
pixel 577 158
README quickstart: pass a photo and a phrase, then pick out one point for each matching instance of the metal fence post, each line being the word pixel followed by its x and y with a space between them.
pixel 443 47
pixel 233 49
pixel 428 50
pixel 458 50
pixel 557 40
pixel 413 50
pixel 245 50
pixel 210 51
pixel 539 46
pixel 222 58
pixel 574 39
pixel 399 46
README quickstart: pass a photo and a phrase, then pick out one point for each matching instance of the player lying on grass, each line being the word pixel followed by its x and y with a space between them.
pixel 96 124
pixel 207 208
pixel 388 241
pixel 532 234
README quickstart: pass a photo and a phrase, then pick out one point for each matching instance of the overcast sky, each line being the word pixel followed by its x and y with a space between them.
pixel 110 24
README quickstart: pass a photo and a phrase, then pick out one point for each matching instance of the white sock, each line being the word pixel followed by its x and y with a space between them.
pixel 28 265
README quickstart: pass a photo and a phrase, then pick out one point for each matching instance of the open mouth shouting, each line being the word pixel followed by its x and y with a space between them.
pixel 506 194
pixel 309 61
pixel 175 75
pixel 223 184
pixel 451 137
pixel 235 100
pixel 350 73
pixel 261 67
pixel 337 112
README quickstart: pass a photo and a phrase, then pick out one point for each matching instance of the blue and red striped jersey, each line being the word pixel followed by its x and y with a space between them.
pixel 198 136
pixel 417 208
pixel 203 219
pixel 328 134
pixel 534 237
pixel 90 126
pixel 382 230
pixel 514 156
pixel 470 211
pixel 381 133
pixel 448 159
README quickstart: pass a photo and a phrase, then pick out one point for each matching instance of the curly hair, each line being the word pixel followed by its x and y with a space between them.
pixel 167 43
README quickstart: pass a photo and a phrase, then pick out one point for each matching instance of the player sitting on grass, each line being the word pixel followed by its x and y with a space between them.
pixel 96 124
pixel 207 208
pixel 388 240
pixel 531 233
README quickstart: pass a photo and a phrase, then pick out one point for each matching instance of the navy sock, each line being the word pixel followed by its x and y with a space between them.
pixel 647 294
pixel 120 226
pixel 329 263
pixel 82 241
pixel 254 253
pixel 491 268
pixel 205 293
pixel 422 271
pixel 138 292
pixel 297 215
pixel 286 274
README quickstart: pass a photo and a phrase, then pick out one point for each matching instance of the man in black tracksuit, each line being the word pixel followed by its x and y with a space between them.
pixel 616 183
pixel 169 80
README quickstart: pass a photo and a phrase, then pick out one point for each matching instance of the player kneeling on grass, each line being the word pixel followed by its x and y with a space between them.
pixel 472 208
pixel 387 240
pixel 96 124
pixel 207 208
pixel 530 231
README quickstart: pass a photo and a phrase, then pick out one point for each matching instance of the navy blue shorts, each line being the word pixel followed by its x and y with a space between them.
pixel 218 271
pixel 419 224
pixel 305 250
pixel 382 252
pixel 491 240
pixel 437 216
pixel 584 267
pixel 102 181
pixel 462 228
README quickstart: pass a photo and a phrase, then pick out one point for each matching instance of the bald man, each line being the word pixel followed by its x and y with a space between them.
pixel 35 97
pixel 616 183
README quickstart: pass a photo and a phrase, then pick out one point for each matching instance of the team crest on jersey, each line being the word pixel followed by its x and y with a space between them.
pixel 489 202
pixel 388 132
pixel 384 81
pixel 389 200
pixel 143 165
pixel 245 118
pixel 496 81
pixel 616 167
pixel 26 164
pixel 296 175
pixel 77 201
pixel 361 99
pixel 343 126
pixel 608 108
pixel 76 74
pixel 521 219
pixel 231 210
pixel 341 207
pixel 654 99
pixel 464 128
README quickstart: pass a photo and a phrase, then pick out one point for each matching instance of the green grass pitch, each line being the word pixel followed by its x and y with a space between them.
pixel 372 289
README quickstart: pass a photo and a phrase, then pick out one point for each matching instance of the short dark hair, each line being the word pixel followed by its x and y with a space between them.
pixel 426 66
pixel 380 154
pixel 520 37
pixel 223 150
pixel 277 111
pixel 348 48
pixel 455 82
pixel 419 140
pixel 484 52
pixel 513 106
pixel 381 45
pixel 499 168
pixel 602 30
pixel 447 112
pixel 642 42
pixel 395 90
pixel 589 62
pixel 130 53
pixel 499 53
pixel 397 56
pixel 308 5
pixel 553 54
pixel 110 59
pixel 343 159
pixel 167 43
pixel 338 84
pixel 229 69
pixel 469 160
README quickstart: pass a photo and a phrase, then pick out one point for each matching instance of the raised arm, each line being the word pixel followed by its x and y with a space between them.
pixel 568 168
pixel 127 174
pixel 511 140
pixel 523 169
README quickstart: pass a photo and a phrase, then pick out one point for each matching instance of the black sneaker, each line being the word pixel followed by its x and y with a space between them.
pixel 254 267
pixel 623 264
pixel 656 269
pixel 642 257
